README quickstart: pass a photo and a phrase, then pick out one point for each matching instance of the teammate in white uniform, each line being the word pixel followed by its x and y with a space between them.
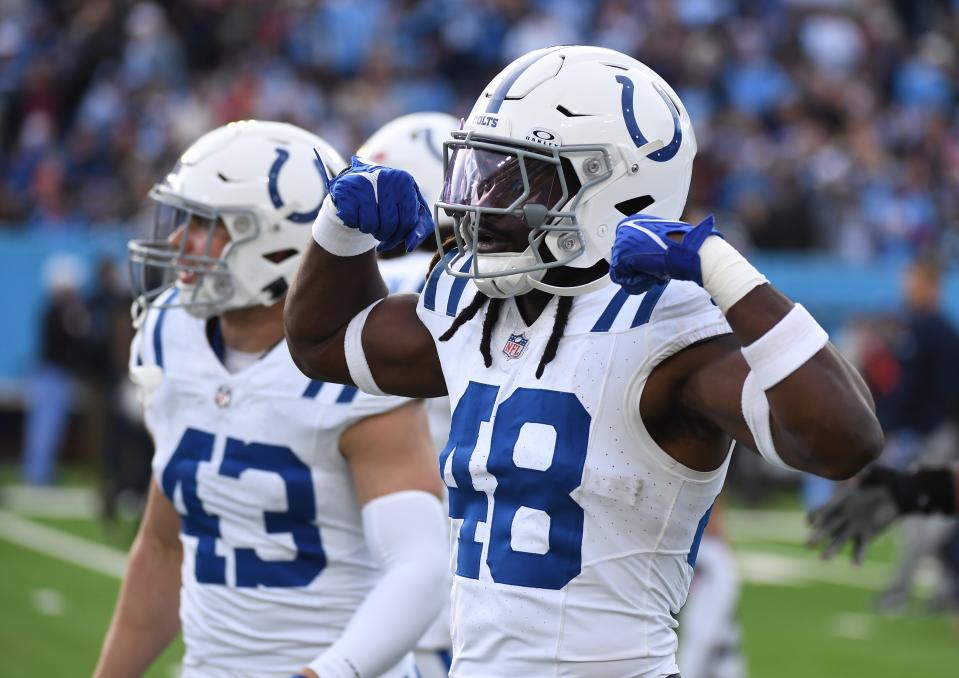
pixel 591 421
pixel 310 531
pixel 414 143
pixel 710 644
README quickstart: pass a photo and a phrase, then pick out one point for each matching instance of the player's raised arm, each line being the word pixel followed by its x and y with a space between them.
pixel 787 393
pixel 335 332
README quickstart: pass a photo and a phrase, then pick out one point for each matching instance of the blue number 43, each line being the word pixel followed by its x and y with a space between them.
pixel 299 520
pixel 545 490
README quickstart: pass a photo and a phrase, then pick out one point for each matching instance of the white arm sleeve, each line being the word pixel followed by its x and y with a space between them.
pixel 408 534
pixel 756 413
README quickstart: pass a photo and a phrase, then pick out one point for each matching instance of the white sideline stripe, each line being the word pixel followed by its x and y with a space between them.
pixel 62 546
pixel 52 502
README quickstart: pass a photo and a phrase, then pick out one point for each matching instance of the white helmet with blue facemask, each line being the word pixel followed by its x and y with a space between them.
pixel 570 140
pixel 263 182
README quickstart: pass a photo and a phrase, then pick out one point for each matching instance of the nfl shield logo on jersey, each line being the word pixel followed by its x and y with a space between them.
pixel 515 346
pixel 223 396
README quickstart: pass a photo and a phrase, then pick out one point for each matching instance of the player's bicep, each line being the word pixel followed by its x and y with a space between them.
pixel 715 388
pixel 400 351
pixel 391 452
pixel 161 522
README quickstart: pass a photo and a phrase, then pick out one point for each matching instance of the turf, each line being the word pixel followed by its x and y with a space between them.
pixel 827 630
pixel 810 628
pixel 54 616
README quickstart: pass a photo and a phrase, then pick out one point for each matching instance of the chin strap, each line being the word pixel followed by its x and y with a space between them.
pixel 575 290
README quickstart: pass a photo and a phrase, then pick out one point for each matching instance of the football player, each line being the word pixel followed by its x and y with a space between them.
pixel 598 355
pixel 414 143
pixel 292 522
pixel 710 643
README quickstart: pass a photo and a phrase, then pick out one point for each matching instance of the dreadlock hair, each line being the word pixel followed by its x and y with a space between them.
pixel 563 308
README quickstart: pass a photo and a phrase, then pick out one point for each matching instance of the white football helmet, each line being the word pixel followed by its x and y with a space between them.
pixel 263 180
pixel 414 143
pixel 571 140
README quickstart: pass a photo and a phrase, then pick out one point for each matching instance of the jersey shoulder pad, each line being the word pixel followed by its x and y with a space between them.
pixel 675 303
pixel 150 343
pixel 345 405
pixel 446 294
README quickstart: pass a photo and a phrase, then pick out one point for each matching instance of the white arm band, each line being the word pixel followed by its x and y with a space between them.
pixel 727 276
pixel 408 534
pixel 774 356
pixel 785 348
pixel 330 233
pixel 756 413
pixel 356 363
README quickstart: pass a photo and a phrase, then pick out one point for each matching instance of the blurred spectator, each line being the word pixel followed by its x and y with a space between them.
pixel 64 337
pixel 917 409
pixel 115 429
pixel 821 125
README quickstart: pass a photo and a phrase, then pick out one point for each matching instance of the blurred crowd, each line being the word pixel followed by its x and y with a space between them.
pixel 822 124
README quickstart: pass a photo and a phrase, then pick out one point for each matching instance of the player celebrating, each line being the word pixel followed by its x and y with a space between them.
pixel 591 421
pixel 310 528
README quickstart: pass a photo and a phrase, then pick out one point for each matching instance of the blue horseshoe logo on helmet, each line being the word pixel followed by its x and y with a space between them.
pixel 282 156
pixel 435 151
pixel 669 150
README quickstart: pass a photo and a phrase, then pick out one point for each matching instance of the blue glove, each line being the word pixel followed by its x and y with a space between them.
pixel 382 201
pixel 644 255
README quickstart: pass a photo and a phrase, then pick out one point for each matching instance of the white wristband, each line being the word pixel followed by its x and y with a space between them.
pixel 755 408
pixel 785 348
pixel 727 276
pixel 330 233
pixel 356 363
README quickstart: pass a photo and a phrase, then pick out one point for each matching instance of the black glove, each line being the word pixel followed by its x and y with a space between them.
pixel 861 513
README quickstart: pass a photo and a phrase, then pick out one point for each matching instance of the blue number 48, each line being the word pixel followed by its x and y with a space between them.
pixel 546 490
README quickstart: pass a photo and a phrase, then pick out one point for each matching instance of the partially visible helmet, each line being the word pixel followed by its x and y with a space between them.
pixel 264 182
pixel 571 140
pixel 414 143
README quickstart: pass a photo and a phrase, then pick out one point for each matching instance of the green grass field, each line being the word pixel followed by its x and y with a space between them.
pixel 801 618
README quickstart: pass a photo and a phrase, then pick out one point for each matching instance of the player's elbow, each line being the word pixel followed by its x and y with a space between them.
pixel 307 353
pixel 854 449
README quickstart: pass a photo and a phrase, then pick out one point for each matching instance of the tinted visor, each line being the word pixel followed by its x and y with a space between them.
pixel 483 178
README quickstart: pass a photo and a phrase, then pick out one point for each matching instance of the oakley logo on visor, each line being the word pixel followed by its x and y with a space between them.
pixel 629 115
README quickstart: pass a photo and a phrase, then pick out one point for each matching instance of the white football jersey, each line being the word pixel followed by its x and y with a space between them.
pixel 575 534
pixel 274 558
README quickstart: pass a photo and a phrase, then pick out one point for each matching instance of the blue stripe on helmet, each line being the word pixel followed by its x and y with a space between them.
pixel 504 86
